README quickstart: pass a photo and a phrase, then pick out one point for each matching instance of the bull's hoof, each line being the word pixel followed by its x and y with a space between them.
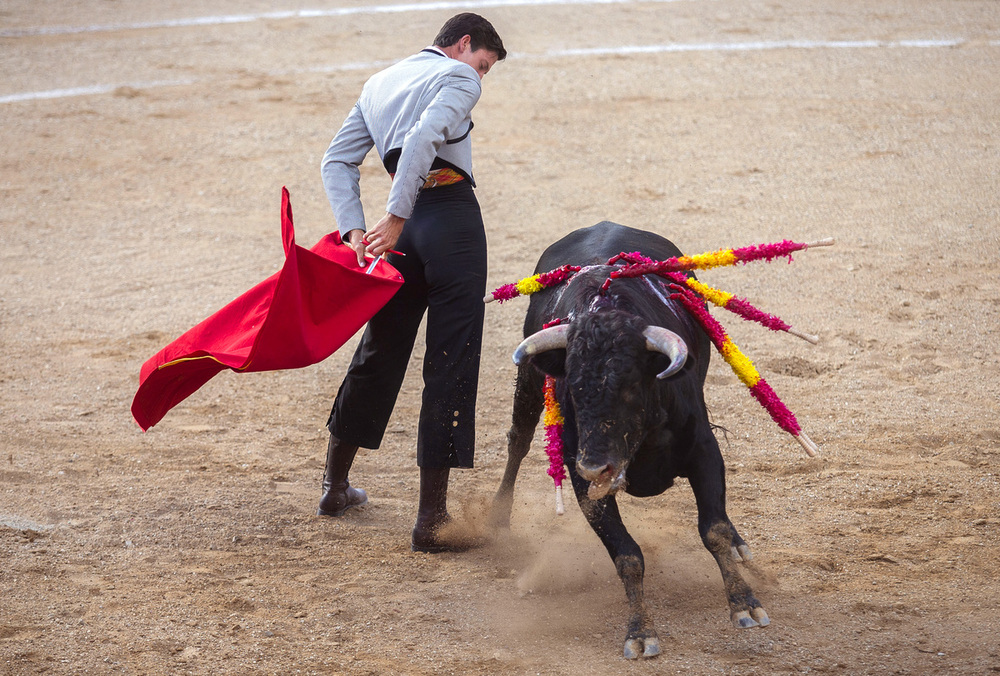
pixel 642 647
pixel 742 553
pixel 499 519
pixel 755 617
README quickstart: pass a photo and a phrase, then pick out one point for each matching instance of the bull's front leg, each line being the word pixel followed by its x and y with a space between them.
pixel 603 516
pixel 529 400
pixel 717 532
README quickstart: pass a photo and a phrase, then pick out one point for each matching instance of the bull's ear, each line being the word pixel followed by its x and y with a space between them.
pixel 551 362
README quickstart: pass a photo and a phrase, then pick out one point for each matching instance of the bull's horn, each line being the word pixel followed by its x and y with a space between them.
pixel 552 338
pixel 658 339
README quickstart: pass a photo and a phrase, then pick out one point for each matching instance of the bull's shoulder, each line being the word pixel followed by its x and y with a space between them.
pixel 596 244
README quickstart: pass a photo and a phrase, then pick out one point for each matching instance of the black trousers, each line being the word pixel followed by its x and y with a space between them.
pixel 445 276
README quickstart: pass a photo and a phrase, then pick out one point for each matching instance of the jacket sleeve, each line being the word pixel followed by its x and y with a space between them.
pixel 441 120
pixel 341 173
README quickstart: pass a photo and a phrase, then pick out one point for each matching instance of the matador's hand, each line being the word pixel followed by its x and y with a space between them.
pixel 385 234
pixel 356 240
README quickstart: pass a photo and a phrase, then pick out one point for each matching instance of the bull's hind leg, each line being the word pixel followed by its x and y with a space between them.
pixel 641 639
pixel 529 400
pixel 717 532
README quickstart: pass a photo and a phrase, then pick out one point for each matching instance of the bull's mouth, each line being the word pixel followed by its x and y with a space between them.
pixel 608 482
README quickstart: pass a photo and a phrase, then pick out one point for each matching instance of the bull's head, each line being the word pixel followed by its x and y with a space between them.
pixel 610 361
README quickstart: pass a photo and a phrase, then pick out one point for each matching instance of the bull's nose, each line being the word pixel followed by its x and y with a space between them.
pixel 589 471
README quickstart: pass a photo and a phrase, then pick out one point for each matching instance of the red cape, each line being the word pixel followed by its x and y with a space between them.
pixel 297 317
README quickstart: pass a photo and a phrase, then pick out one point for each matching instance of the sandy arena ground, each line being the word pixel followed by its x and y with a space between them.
pixel 130 213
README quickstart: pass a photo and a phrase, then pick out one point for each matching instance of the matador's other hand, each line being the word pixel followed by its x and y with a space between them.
pixel 356 240
pixel 385 234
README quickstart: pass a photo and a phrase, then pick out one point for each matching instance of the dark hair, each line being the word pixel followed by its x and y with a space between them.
pixel 483 35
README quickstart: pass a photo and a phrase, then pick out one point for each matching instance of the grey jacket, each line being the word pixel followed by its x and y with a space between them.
pixel 413 113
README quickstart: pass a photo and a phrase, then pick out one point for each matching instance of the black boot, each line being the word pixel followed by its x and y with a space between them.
pixel 432 511
pixel 338 494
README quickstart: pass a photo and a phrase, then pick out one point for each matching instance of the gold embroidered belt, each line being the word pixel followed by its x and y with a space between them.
pixel 440 177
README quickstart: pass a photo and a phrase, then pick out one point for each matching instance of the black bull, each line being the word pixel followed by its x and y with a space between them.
pixel 625 428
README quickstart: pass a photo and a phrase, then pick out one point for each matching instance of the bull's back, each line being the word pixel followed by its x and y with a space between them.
pixel 596 244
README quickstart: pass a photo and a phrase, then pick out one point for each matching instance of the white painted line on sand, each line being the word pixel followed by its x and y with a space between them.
pixel 310 14
pixel 86 91
pixel 754 46
pixel 626 50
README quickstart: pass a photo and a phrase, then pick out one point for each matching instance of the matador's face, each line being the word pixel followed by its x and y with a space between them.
pixel 481 59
